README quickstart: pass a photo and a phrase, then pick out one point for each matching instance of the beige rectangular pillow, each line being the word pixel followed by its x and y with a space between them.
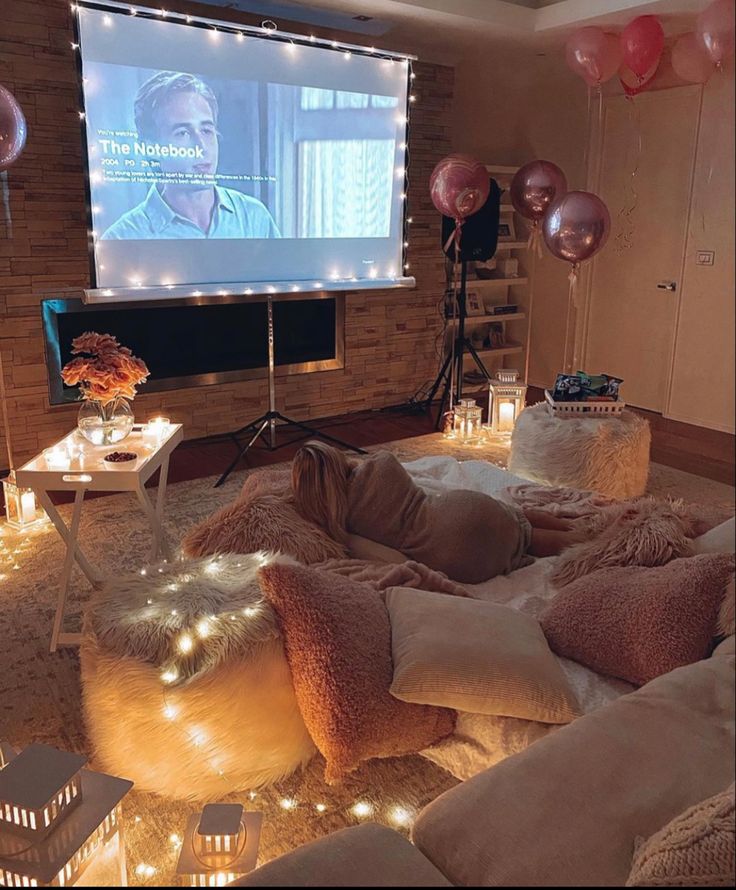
pixel 474 656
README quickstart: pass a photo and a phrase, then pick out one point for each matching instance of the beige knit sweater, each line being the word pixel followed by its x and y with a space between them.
pixel 469 536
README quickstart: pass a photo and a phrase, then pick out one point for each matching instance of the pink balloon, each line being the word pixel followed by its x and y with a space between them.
pixel 593 54
pixel 12 129
pixel 632 83
pixel 535 186
pixel 459 186
pixel 690 60
pixel 576 226
pixel 715 28
pixel 642 42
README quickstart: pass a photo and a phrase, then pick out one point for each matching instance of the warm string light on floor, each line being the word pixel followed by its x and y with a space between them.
pixel 397 815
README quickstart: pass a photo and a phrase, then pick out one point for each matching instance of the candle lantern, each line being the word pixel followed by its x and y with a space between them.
pixel 220 845
pixel 21 510
pixel 467 421
pixel 505 402
pixel 59 821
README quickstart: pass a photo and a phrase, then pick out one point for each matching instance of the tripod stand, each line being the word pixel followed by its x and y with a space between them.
pixel 266 424
pixel 452 367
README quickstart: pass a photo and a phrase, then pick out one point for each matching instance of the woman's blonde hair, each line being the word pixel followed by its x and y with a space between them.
pixel 319 481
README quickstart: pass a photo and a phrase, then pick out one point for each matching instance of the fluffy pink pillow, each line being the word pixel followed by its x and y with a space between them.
pixel 337 638
pixel 636 623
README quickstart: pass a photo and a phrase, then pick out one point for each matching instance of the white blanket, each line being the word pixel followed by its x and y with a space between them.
pixel 480 740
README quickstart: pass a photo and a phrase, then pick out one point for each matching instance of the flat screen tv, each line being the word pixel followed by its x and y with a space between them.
pixel 238 159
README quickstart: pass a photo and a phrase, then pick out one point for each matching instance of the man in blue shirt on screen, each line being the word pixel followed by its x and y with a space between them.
pixel 176 120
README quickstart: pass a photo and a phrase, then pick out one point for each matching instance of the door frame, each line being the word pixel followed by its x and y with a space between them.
pixel 594 171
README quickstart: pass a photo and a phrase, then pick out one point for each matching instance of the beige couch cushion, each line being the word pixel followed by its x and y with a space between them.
pixel 495 660
pixel 718 540
pixel 566 811
pixel 365 856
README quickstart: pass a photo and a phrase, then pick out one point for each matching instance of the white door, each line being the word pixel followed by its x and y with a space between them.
pixel 635 280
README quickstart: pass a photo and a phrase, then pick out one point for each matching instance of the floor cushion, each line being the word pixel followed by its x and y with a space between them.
pixel 566 812
pixel 720 539
pixel 609 455
pixel 185 683
pixel 368 855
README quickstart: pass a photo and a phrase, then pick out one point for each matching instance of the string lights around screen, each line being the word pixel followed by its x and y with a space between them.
pixel 269 31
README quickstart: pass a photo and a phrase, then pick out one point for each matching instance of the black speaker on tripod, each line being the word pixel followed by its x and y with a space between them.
pixel 479 233
pixel 478 241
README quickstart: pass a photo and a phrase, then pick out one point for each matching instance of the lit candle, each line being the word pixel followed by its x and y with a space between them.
pixel 157 428
pixel 27 506
pixel 506 416
pixel 57 458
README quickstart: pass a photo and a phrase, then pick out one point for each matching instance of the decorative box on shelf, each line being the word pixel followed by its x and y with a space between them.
pixel 58 821
pixel 588 408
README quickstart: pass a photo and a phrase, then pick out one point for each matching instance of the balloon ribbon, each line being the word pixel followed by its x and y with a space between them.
pixel 534 244
pixel 6 204
pixel 572 301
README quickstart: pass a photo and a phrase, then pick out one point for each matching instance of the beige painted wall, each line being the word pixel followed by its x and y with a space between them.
pixel 513 105
pixel 702 389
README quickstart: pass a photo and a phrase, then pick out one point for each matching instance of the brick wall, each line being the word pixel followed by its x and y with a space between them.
pixel 389 335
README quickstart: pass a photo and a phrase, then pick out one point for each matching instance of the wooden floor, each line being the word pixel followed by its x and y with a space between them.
pixel 692 449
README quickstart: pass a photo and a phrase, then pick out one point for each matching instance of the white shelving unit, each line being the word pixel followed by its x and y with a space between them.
pixel 499 291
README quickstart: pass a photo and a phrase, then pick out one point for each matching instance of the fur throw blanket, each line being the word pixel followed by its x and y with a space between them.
pixel 646 532
pixel 405 574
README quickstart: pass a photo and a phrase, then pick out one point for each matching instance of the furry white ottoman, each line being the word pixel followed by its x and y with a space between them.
pixel 609 455
pixel 186 686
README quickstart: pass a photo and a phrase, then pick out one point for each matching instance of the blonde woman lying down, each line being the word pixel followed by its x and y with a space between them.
pixel 469 536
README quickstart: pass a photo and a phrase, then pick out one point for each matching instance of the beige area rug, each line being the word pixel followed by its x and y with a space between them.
pixel 40 696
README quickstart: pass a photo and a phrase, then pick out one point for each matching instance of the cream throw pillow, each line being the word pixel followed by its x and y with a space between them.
pixel 474 656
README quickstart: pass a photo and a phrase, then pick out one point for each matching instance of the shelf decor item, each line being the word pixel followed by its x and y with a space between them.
pixel 506 401
pixel 107 375
pixel 220 845
pixel 59 821
pixel 467 421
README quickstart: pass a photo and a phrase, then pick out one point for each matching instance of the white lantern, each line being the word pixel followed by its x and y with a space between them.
pixel 59 821
pixel 220 845
pixel 505 402
pixel 467 421
pixel 21 510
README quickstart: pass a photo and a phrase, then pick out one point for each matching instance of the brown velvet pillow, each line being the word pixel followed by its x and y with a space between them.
pixel 269 523
pixel 637 623
pixel 337 638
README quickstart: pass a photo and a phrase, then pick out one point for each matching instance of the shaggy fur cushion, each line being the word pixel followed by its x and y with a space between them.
pixel 610 456
pixel 645 532
pixel 338 642
pixel 696 849
pixel 193 721
pixel 637 623
pixel 267 522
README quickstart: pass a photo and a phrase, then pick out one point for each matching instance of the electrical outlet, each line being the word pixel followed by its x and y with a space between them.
pixel 705 257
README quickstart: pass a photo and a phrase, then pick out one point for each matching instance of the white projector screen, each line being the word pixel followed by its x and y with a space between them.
pixel 219 158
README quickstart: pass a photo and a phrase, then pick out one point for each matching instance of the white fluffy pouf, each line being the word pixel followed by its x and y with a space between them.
pixel 609 455
pixel 186 687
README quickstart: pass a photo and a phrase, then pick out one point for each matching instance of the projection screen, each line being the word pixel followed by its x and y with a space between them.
pixel 235 159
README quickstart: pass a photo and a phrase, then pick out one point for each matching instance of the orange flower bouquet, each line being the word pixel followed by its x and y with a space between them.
pixel 107 374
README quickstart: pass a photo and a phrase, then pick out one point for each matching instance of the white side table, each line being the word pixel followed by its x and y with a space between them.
pixel 90 472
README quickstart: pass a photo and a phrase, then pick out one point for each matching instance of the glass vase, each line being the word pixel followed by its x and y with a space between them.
pixel 105 424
